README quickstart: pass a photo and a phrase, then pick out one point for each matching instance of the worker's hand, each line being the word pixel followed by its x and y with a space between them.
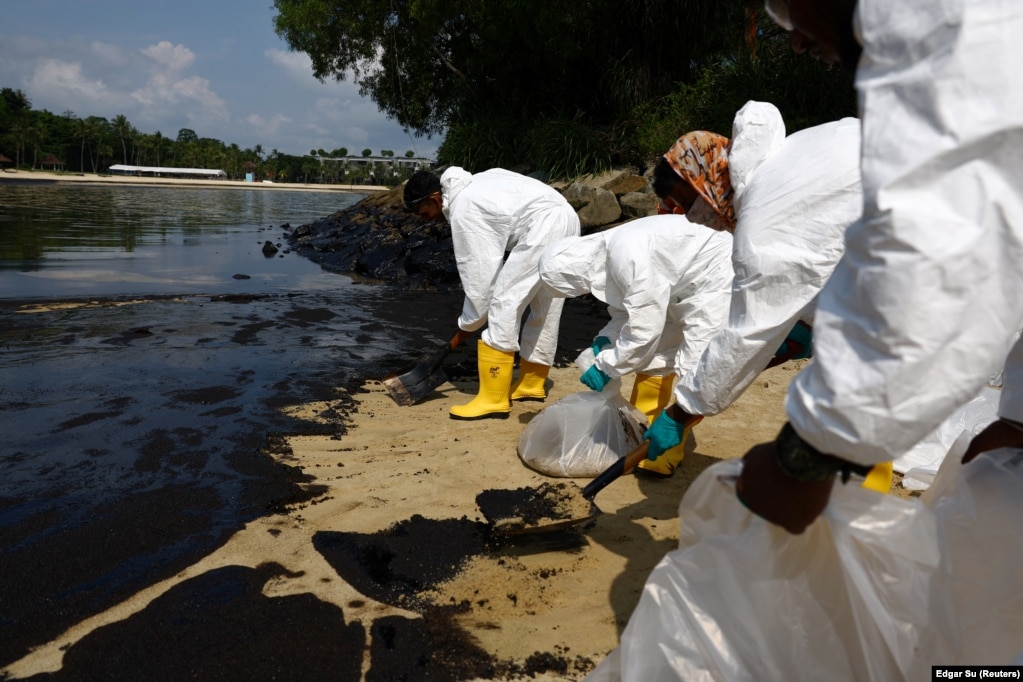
pixel 772 494
pixel 798 345
pixel 666 432
pixel 999 434
pixel 594 378
pixel 599 344
pixel 459 338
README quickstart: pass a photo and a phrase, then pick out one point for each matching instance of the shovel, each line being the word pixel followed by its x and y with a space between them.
pixel 417 383
pixel 574 507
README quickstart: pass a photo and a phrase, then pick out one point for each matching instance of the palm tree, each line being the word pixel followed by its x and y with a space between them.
pixel 86 130
pixel 35 138
pixel 159 144
pixel 20 133
pixel 122 128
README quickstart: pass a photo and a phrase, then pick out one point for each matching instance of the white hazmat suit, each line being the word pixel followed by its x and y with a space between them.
pixel 666 282
pixel 924 305
pixel 495 212
pixel 794 197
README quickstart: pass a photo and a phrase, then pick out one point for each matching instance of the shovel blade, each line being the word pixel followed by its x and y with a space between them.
pixel 417 383
pixel 526 511
pixel 409 390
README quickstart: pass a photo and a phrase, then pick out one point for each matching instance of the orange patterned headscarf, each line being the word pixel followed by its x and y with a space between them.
pixel 701 159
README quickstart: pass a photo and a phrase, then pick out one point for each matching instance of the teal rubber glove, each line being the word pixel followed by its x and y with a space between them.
pixel 802 335
pixel 594 378
pixel 664 434
pixel 599 343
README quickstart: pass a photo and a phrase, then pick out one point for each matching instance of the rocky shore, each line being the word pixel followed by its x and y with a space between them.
pixel 376 240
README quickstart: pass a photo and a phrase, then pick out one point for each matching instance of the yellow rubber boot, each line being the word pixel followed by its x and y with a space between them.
pixel 651 394
pixel 495 367
pixel 531 381
pixel 880 478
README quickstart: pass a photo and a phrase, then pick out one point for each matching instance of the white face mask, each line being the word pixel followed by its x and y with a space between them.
pixel 702 213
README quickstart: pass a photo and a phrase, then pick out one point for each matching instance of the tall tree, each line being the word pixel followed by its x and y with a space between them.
pixel 430 64
pixel 123 129
pixel 16 101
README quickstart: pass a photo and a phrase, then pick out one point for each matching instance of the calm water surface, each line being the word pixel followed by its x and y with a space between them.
pixel 61 240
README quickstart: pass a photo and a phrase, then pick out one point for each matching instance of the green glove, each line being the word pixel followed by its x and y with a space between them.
pixel 599 343
pixel 665 433
pixel 594 378
pixel 802 335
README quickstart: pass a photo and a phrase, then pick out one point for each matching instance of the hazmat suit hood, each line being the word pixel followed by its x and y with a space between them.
pixel 575 266
pixel 452 182
pixel 758 130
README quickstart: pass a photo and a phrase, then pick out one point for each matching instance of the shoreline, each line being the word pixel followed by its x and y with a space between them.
pixel 50 177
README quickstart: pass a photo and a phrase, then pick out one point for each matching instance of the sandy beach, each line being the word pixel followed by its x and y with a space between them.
pixel 10 175
pixel 402 483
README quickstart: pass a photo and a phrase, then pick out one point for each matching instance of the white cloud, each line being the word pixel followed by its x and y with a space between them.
pixel 52 80
pixel 169 89
pixel 170 58
pixel 264 128
pixel 165 84
pixel 299 69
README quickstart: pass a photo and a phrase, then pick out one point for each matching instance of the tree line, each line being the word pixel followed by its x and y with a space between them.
pixel 558 88
pixel 39 139
pixel 562 87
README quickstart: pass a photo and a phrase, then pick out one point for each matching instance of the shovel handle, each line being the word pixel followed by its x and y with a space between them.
pixel 611 474
pixel 460 336
pixel 440 357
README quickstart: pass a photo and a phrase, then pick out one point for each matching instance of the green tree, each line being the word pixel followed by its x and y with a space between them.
pixel 20 133
pixel 438 67
pixel 160 145
pixel 123 128
pixel 367 152
pixel 186 135
pixel 16 102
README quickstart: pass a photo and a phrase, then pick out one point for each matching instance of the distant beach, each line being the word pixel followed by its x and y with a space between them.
pixel 10 175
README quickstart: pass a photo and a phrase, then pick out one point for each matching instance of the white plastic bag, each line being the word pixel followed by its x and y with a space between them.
pixel 583 433
pixel 878 588
pixel 920 464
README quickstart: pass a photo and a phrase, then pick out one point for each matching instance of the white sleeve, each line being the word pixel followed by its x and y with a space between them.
pixel 479 255
pixel 645 302
pixel 705 297
pixel 769 295
pixel 924 305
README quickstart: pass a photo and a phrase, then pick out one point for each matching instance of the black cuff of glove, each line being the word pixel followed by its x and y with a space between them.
pixel 806 464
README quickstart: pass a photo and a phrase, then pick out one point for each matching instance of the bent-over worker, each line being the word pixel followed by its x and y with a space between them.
pixel 493 213
pixel 666 282
pixel 788 201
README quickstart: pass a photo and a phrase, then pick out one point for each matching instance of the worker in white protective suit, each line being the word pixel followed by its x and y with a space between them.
pixel 925 303
pixel 788 200
pixel 493 213
pixel 667 283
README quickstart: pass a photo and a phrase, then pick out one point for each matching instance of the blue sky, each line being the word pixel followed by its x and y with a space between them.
pixel 214 66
